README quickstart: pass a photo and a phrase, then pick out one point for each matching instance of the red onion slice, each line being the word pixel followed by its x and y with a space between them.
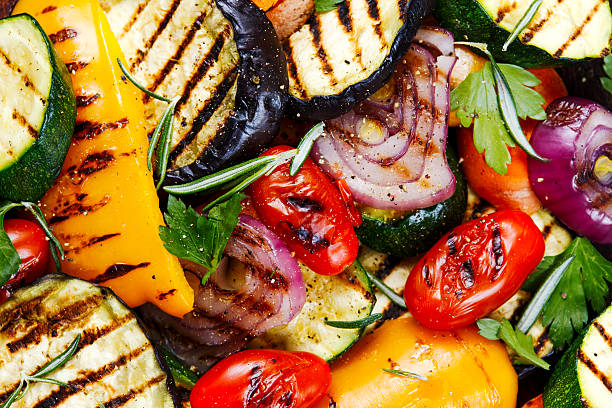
pixel 574 185
pixel 392 152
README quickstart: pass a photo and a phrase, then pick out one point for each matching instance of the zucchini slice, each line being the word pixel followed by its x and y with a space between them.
pixel 37 110
pixel 344 297
pixel 115 363
pixel 224 61
pixel 583 376
pixel 561 31
pixel 411 233
pixel 341 57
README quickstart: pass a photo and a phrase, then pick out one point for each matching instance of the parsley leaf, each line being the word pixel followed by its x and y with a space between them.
pixel 514 338
pixel 606 82
pixel 197 237
pixel 323 6
pixel 584 282
pixel 475 100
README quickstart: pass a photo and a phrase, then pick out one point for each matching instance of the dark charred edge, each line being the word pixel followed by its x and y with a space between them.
pixel 427 275
pixel 392 311
pixel 63 35
pixel 604 334
pixel 117 270
pixel 75 66
pixel 315 30
pixel 128 26
pixel 345 17
pixel 501 13
pixel 254 305
pixel 582 357
pixel 77 209
pixel 374 14
pixel 22 310
pixel 259 104
pixel 123 399
pixel 163 296
pixel 86 100
pixel 48 9
pixel 204 66
pixel 305 204
pixel 159 77
pixel 578 30
pixel 311 241
pixel 141 54
pixel 498 252
pixel 327 107
pixel 28 83
pixel 387 267
pixel 467 274
pixel 65 317
pixel 293 71
pixel 92 241
pixel 542 340
pixel 451 243
pixel 75 386
pixel 24 123
pixel 89 130
pixel 205 113
pixel 93 163
pixel 546 231
pixel 534 28
pixel 401 4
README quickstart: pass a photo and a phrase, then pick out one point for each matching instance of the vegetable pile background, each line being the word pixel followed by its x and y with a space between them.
pixel 305 203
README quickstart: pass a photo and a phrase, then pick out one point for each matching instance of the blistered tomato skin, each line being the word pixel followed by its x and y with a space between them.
pixel 263 378
pixel 31 244
pixel 310 214
pixel 473 270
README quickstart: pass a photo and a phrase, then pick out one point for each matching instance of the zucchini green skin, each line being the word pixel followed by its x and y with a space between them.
pixel 563 388
pixel 415 233
pixel 29 178
pixel 468 21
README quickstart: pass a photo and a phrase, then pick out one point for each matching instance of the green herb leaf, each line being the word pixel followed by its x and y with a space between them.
pixel 355 324
pixel 477 100
pixel 305 147
pixel 57 252
pixel 584 282
pixel 9 258
pixel 133 80
pixel 387 291
pixel 200 238
pixel 523 22
pixel 403 373
pixel 61 359
pixel 323 6
pixel 606 82
pixel 514 338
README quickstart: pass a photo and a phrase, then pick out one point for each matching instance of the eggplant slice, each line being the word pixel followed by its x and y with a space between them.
pixel 115 363
pixel 344 56
pixel 224 61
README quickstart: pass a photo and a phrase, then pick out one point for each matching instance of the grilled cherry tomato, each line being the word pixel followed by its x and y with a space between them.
pixel 31 243
pixel 473 270
pixel 309 214
pixel 263 378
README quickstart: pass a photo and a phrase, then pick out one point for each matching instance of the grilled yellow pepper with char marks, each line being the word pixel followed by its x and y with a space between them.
pixel 104 207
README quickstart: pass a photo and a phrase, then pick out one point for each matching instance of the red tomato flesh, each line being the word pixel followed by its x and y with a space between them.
pixel 309 214
pixel 263 378
pixel 31 243
pixel 473 270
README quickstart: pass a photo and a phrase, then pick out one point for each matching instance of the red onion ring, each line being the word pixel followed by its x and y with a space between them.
pixel 406 169
pixel 576 134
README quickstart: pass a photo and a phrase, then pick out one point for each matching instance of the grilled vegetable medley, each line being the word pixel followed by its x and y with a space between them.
pixel 305 203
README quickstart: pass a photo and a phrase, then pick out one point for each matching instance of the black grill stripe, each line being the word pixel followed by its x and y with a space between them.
pixel 292 70
pixel 76 386
pixel 345 17
pixel 594 369
pixel 63 35
pixel 141 54
pixel 89 130
pixel 604 334
pixel 159 77
pixel 403 8
pixel 73 67
pixel 24 123
pixel 24 310
pixel 315 30
pixel 205 113
pixel 133 19
pixel 86 100
pixel 117 270
pixel 375 15
pixel 578 30
pixel 535 27
pixel 28 83
pixel 134 392
pixel 75 209
pixel 91 241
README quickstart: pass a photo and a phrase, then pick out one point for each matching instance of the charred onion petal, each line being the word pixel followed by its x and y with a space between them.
pixel 576 185
pixel 335 60
pixel 392 152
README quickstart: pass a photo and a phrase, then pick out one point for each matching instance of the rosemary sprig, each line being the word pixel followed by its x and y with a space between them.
pixel 523 22
pixel 403 373
pixel 162 136
pixel 506 103
pixel 386 290
pixel 242 175
pixel 536 305
pixel 50 367
pixel 354 324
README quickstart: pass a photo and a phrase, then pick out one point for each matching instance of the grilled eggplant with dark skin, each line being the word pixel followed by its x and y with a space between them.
pixel 114 364
pixel 222 59
pixel 342 57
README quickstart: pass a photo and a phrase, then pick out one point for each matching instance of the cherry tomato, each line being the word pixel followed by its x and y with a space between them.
pixel 473 270
pixel 309 214
pixel 31 243
pixel 263 378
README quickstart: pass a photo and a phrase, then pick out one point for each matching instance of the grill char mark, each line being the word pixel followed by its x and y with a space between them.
pixel 72 210
pixel 578 30
pixel 345 17
pixel 133 19
pixel 63 35
pixel 92 241
pixel 498 252
pixel 88 130
pixel 86 100
pixel 75 66
pixel 48 9
pixel 315 30
pixel 134 392
pixel 141 54
pixel 584 359
pixel 374 14
pixel 24 78
pixel 292 70
pixel 24 123
pixel 118 270
pixel 93 163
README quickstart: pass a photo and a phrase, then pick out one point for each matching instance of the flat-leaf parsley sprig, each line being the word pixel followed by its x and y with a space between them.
pixel 606 81
pixel 494 98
